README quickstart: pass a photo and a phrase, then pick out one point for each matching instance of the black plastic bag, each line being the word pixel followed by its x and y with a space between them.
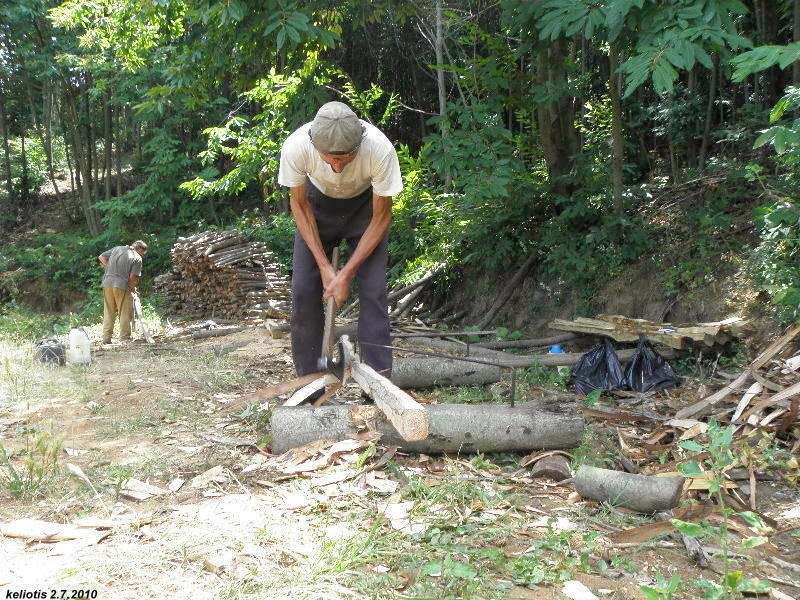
pixel 648 370
pixel 51 352
pixel 598 369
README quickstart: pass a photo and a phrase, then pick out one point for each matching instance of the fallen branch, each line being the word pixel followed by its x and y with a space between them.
pixel 768 354
pixel 199 335
pixel 530 343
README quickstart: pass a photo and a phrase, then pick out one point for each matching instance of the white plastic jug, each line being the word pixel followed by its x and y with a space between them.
pixel 80 352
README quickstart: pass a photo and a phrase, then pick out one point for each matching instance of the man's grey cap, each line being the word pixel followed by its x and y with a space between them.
pixel 336 129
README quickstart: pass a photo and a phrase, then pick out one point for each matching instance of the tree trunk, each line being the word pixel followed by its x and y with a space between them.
pixel 461 428
pixel 6 146
pixel 617 147
pixel 107 162
pixel 796 38
pixel 558 137
pixel 82 152
pixel 712 93
pixel 118 149
pixel 24 187
pixel 44 130
pixel 642 493
pixel 442 92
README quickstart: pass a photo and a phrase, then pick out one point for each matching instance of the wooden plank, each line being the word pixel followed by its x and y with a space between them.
pixel 409 418
pixel 622 334
pixel 308 389
pixel 273 391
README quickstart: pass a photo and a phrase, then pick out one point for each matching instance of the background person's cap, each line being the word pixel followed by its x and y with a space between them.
pixel 336 129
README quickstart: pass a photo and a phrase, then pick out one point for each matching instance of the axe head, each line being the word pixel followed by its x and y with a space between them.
pixel 333 366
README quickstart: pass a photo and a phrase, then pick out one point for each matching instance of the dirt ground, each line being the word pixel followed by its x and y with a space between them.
pixel 161 492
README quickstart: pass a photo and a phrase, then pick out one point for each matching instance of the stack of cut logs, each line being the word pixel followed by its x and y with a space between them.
pixel 221 274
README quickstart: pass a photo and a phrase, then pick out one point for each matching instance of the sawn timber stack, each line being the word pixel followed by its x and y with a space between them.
pixel 222 274
pixel 678 336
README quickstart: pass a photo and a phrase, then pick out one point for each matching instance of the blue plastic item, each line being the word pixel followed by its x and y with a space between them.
pixel 556 349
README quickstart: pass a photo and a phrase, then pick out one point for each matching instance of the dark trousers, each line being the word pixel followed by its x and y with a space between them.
pixel 339 220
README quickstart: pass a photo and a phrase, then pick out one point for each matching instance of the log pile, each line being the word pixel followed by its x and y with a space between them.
pixel 221 274
pixel 680 337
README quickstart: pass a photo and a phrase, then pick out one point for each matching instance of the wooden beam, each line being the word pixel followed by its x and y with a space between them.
pixel 409 418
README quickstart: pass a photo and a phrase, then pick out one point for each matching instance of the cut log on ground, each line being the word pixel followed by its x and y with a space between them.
pixel 455 428
pixel 422 373
pixel 207 333
pixel 642 493
pixel 555 467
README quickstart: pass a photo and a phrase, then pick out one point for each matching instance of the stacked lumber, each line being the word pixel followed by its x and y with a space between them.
pixel 680 337
pixel 221 274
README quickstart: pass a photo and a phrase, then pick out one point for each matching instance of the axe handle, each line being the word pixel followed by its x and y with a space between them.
pixel 330 311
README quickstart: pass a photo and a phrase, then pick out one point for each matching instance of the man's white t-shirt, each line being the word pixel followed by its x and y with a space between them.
pixel 375 164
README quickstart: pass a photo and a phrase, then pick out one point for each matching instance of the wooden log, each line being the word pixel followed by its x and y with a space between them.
pixel 642 493
pixel 565 359
pixel 529 343
pixel 421 373
pixel 555 467
pixel 409 418
pixel 461 428
pixel 207 333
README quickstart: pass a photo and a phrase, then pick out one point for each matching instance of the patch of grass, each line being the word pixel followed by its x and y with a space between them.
pixel 465 394
pixel 30 472
pixel 118 427
pixel 594 451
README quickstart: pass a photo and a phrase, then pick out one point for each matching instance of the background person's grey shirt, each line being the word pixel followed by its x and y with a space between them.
pixel 122 262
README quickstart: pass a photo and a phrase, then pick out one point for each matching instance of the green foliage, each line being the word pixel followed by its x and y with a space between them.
pixel 777 257
pixel 59 264
pixel 489 215
pixel 38 468
pixel 21 324
pixel 587 244
pixel 665 589
pixel 716 456
pixel 276 231
pixel 764 57
pixel 155 200
pixel 695 261
pixel 666 38
pixel 553 559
